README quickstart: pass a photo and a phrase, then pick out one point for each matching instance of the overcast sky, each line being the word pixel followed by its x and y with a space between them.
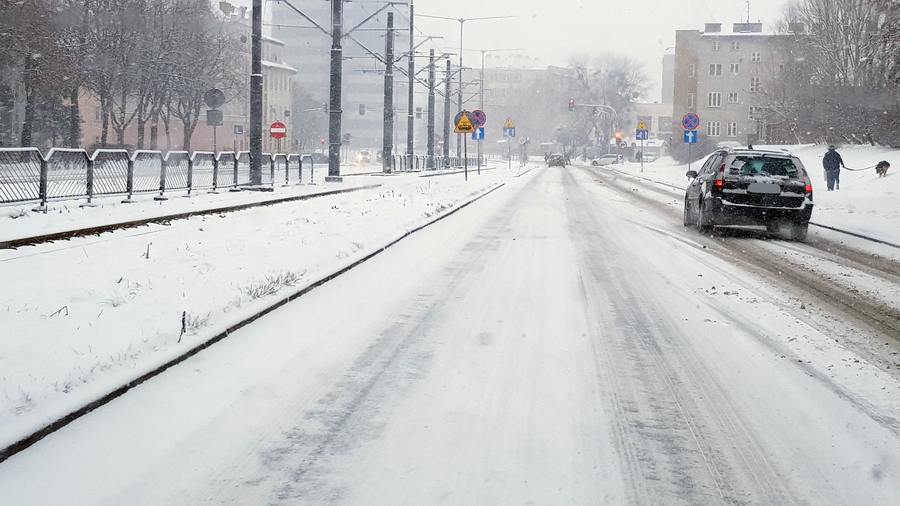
pixel 554 30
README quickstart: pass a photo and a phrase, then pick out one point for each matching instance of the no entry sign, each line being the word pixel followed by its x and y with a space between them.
pixel 278 130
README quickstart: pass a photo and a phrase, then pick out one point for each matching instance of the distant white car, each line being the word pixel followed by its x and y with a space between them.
pixel 608 160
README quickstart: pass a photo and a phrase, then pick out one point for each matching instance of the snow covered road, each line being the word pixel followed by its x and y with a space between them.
pixel 552 344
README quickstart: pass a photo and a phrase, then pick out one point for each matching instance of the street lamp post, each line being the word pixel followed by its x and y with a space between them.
pixel 459 97
pixel 410 130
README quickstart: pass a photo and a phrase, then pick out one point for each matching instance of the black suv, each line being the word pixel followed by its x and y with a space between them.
pixel 750 187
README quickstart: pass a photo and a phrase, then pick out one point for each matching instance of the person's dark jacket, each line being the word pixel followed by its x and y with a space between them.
pixel 832 160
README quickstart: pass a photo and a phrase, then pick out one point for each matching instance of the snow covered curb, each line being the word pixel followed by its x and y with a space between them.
pixel 35 425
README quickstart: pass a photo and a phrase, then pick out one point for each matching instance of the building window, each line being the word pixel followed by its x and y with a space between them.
pixel 732 97
pixel 755 56
pixel 716 45
pixel 715 69
pixel 692 69
pixel 735 45
pixel 734 68
pixel 754 84
pixel 690 101
pixel 665 125
pixel 714 99
pixel 713 128
pixel 731 129
pixel 755 112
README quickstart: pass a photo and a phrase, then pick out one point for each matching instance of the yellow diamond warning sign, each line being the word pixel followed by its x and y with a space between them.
pixel 464 125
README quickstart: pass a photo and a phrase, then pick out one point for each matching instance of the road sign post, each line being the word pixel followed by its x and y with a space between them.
pixel 464 126
pixel 509 131
pixel 642 134
pixel 479 118
pixel 690 122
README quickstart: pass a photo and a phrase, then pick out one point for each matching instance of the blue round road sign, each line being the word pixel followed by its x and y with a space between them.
pixel 478 118
pixel 690 121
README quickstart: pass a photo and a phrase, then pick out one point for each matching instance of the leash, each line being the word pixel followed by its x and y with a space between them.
pixel 864 168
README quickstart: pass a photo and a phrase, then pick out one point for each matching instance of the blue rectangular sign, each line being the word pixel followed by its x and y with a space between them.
pixel 690 136
pixel 641 135
pixel 478 134
pixel 509 131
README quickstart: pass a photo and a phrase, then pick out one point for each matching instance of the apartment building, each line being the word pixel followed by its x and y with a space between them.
pixel 726 79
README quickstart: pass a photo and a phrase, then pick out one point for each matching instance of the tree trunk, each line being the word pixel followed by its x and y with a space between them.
pixel 166 118
pixel 30 97
pixel 74 139
pixel 104 118
pixel 121 124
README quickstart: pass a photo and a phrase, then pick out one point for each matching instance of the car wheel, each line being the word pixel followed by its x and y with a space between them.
pixel 799 231
pixel 594 163
pixel 689 219
pixel 704 220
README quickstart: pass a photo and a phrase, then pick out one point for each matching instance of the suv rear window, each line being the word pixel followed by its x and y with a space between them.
pixel 764 166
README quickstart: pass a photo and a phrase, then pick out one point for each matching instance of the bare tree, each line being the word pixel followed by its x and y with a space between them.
pixel 34 55
pixel 609 80
pixel 207 56
pixel 843 84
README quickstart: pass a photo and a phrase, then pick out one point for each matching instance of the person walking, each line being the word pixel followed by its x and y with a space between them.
pixel 833 162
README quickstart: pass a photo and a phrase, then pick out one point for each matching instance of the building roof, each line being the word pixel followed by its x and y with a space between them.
pixel 277 65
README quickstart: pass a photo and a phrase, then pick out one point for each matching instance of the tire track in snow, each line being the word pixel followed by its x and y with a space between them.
pixel 666 391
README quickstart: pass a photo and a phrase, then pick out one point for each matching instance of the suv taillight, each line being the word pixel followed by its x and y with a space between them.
pixel 719 182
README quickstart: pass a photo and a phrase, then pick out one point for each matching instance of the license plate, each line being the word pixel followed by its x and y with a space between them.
pixel 767 188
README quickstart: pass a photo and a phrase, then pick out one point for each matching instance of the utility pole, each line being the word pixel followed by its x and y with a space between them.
pixel 334 116
pixel 410 103
pixel 387 143
pixel 256 92
pixel 446 150
pixel 430 141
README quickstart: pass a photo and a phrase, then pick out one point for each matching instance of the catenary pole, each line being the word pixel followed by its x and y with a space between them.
pixel 430 141
pixel 334 111
pixel 387 143
pixel 256 92
pixel 446 150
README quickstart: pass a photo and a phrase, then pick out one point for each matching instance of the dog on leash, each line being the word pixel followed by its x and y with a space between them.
pixel 882 168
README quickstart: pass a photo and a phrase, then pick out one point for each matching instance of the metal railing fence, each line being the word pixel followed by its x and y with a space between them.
pixel 27 175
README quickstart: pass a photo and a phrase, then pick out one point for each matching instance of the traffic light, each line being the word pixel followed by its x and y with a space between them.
pixel 362 109
pixel 618 136
pixel 571 104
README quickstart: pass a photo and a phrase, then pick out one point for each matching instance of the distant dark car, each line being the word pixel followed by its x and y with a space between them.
pixel 363 157
pixel 556 161
pixel 747 187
